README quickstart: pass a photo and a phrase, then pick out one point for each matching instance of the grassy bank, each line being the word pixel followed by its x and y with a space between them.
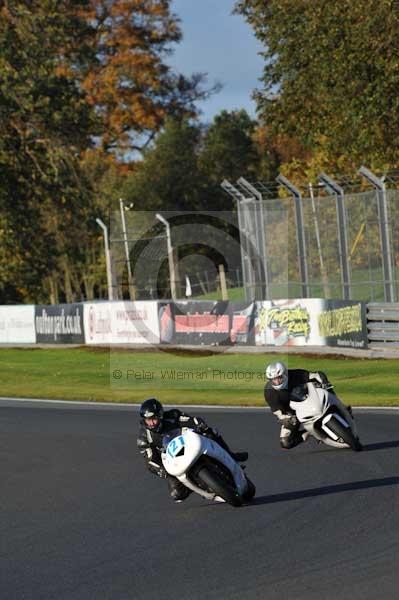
pixel 184 378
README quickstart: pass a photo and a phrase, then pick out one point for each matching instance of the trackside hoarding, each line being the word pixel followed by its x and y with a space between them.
pixel 17 324
pixel 207 322
pixel 311 322
pixel 294 322
pixel 121 322
pixel 59 324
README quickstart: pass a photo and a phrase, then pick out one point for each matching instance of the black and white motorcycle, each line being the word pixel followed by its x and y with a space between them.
pixel 205 467
pixel 324 416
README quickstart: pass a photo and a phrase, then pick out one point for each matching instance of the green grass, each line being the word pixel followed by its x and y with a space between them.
pixel 361 286
pixel 236 294
pixel 86 374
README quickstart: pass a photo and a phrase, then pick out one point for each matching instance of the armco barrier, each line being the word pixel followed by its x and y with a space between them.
pixel 383 323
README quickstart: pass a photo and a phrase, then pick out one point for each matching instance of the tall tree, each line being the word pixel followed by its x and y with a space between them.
pixel 75 75
pixel 131 85
pixel 168 177
pixel 44 124
pixel 228 149
pixel 331 74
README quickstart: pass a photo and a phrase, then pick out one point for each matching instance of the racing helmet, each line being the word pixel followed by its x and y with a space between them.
pixel 277 374
pixel 151 413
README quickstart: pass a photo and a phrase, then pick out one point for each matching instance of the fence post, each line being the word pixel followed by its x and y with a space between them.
pixel 107 258
pixel 324 275
pixel 387 269
pixel 247 270
pixel 300 232
pixel 171 256
pixel 223 285
pixel 338 191
pixel 132 287
pixel 262 242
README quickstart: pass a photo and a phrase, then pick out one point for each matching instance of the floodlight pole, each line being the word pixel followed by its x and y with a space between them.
pixel 300 232
pixel 334 188
pixel 132 291
pixel 107 258
pixel 387 263
pixel 262 247
pixel 171 260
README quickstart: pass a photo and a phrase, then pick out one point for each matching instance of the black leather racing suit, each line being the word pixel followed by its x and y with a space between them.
pixel 279 402
pixel 149 443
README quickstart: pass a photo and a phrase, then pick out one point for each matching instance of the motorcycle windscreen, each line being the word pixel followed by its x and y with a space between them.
pixel 168 438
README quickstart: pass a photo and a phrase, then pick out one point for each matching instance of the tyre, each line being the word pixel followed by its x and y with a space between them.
pixel 345 434
pixel 216 481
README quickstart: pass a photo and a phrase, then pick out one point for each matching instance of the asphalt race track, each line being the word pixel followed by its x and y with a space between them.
pixel 82 519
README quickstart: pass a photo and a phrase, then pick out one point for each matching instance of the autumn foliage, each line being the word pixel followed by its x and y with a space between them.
pixel 130 85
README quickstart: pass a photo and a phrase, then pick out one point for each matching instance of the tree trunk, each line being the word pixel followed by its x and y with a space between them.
pixel 88 283
pixel 54 298
pixel 69 296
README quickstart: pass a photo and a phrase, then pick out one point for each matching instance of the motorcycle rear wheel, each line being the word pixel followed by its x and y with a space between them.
pixel 213 480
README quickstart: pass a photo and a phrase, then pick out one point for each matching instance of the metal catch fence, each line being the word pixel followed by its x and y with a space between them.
pixel 333 245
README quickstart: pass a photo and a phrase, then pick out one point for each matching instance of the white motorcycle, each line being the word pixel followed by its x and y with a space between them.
pixel 205 467
pixel 324 416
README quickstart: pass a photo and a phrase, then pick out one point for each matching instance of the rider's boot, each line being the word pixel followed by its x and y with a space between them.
pixel 238 456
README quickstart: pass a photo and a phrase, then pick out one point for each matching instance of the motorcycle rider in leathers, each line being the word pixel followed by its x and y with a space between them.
pixel 154 423
pixel 277 392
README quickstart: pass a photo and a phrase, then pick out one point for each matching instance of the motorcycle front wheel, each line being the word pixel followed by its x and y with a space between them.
pixel 218 484
pixel 345 434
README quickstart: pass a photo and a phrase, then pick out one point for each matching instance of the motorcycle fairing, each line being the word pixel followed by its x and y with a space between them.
pixel 183 450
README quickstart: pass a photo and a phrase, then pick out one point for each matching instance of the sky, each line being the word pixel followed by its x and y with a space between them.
pixel 223 46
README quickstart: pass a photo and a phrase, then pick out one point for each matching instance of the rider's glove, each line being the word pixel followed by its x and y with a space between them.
pixel 200 425
pixel 157 470
pixel 162 473
pixel 327 386
pixel 316 377
pixel 289 420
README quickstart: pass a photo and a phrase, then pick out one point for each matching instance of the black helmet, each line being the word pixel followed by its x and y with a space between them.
pixel 152 409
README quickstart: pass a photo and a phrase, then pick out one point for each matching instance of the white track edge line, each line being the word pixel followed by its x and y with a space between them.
pixel 75 403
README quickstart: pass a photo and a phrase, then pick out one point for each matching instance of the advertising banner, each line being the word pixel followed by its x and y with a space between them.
pixel 59 323
pixel 17 324
pixel 121 322
pixel 344 323
pixel 311 322
pixel 207 323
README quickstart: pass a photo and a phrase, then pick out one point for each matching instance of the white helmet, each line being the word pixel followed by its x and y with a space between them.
pixel 277 373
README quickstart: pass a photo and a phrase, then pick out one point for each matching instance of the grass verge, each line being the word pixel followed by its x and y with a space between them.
pixel 181 378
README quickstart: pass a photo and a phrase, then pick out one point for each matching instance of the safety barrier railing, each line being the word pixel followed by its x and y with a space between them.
pixel 383 323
